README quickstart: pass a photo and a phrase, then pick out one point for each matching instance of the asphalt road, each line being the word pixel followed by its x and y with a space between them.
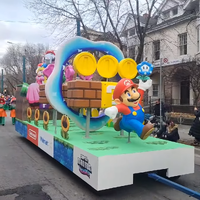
pixel 27 173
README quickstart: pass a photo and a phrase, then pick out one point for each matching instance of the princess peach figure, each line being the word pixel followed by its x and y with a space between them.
pixel 40 76
pixel 33 90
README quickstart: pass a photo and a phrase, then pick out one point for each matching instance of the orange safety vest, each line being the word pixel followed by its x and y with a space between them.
pixel 2 113
pixel 13 113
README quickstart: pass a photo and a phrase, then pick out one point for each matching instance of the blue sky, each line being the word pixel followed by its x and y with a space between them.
pixel 12 12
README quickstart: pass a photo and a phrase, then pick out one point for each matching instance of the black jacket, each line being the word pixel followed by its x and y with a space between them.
pixel 195 128
pixel 172 136
pixel 157 109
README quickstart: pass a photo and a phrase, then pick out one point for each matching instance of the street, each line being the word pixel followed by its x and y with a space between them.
pixel 27 173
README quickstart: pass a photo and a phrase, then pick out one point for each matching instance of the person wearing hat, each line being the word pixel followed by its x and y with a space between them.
pixel 128 97
pixel 12 110
pixel 2 110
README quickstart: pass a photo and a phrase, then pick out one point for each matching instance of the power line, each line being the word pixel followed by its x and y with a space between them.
pixel 24 22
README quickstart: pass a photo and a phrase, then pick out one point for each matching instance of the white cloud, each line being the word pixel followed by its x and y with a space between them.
pixel 12 14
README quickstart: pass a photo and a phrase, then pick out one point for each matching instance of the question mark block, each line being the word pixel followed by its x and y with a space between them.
pixel 107 94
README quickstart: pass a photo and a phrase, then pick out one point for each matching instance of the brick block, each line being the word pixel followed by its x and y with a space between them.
pixel 69 94
pixel 80 84
pixel 64 87
pixel 81 103
pixel 64 93
pixel 95 103
pixel 95 85
pixel 42 87
pixel 43 100
pixel 70 84
pixel 77 94
pixel 89 94
pixel 98 94
pixel 42 93
pixel 70 102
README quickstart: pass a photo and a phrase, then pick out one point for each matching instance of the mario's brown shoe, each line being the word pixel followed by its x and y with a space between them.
pixel 147 130
pixel 116 125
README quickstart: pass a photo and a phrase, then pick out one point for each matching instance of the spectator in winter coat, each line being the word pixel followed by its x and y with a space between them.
pixel 169 132
pixel 157 109
pixel 195 128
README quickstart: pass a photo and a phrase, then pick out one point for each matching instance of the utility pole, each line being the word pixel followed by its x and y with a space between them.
pixel 160 93
pixel 78 23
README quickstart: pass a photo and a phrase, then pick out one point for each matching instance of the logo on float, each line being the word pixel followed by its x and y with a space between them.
pixel 45 142
pixel 32 134
pixel 127 82
pixel 84 166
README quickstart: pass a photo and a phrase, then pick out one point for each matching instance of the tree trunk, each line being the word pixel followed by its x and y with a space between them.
pixel 140 52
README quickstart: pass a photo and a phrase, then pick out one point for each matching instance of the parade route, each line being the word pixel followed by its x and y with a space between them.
pixel 27 173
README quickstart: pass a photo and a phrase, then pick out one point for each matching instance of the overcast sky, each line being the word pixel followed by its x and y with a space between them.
pixel 12 12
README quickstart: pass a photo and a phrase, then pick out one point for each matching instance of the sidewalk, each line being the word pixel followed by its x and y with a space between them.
pixel 183 132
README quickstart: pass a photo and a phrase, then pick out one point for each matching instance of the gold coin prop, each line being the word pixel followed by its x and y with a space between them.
pixel 107 66
pixel 45 117
pixel 65 124
pixel 85 64
pixel 95 112
pixel 127 68
pixel 29 112
pixel 37 114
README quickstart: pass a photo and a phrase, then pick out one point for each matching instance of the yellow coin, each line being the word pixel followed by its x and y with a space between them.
pixel 127 68
pixel 95 113
pixel 134 113
pixel 85 64
pixel 107 66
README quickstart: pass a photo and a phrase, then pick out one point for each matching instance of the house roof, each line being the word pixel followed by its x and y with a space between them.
pixel 153 26
pixel 107 36
pixel 185 17
pixel 143 19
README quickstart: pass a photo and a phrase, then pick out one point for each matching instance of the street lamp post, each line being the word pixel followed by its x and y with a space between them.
pixel 78 33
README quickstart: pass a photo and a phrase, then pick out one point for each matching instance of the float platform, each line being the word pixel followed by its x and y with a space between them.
pixel 106 160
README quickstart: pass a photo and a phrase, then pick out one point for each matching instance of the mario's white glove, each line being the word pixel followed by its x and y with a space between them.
pixel 111 112
pixel 145 85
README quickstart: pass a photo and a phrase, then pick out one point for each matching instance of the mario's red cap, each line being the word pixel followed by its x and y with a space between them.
pixel 122 86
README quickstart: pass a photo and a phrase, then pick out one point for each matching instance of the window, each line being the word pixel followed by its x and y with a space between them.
pixel 175 11
pixel 166 15
pixel 156 49
pixel 183 43
pixel 132 32
pixel 132 52
pixel 155 90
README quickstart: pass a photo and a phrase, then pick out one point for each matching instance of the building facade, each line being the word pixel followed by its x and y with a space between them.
pixel 172 42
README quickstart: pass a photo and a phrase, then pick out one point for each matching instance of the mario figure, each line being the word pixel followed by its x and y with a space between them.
pixel 128 97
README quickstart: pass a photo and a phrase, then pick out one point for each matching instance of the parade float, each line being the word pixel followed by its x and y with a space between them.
pixel 108 149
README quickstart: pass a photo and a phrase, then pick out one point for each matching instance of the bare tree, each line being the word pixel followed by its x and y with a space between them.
pixel 60 15
pixel 12 62
pixel 141 31
pixel 191 73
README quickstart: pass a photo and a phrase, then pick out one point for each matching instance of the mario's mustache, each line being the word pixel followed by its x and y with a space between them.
pixel 132 100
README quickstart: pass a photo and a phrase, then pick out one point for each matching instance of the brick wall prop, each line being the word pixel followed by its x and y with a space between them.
pixel 83 94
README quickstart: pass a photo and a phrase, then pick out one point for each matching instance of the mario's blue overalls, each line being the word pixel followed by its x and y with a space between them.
pixel 133 121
